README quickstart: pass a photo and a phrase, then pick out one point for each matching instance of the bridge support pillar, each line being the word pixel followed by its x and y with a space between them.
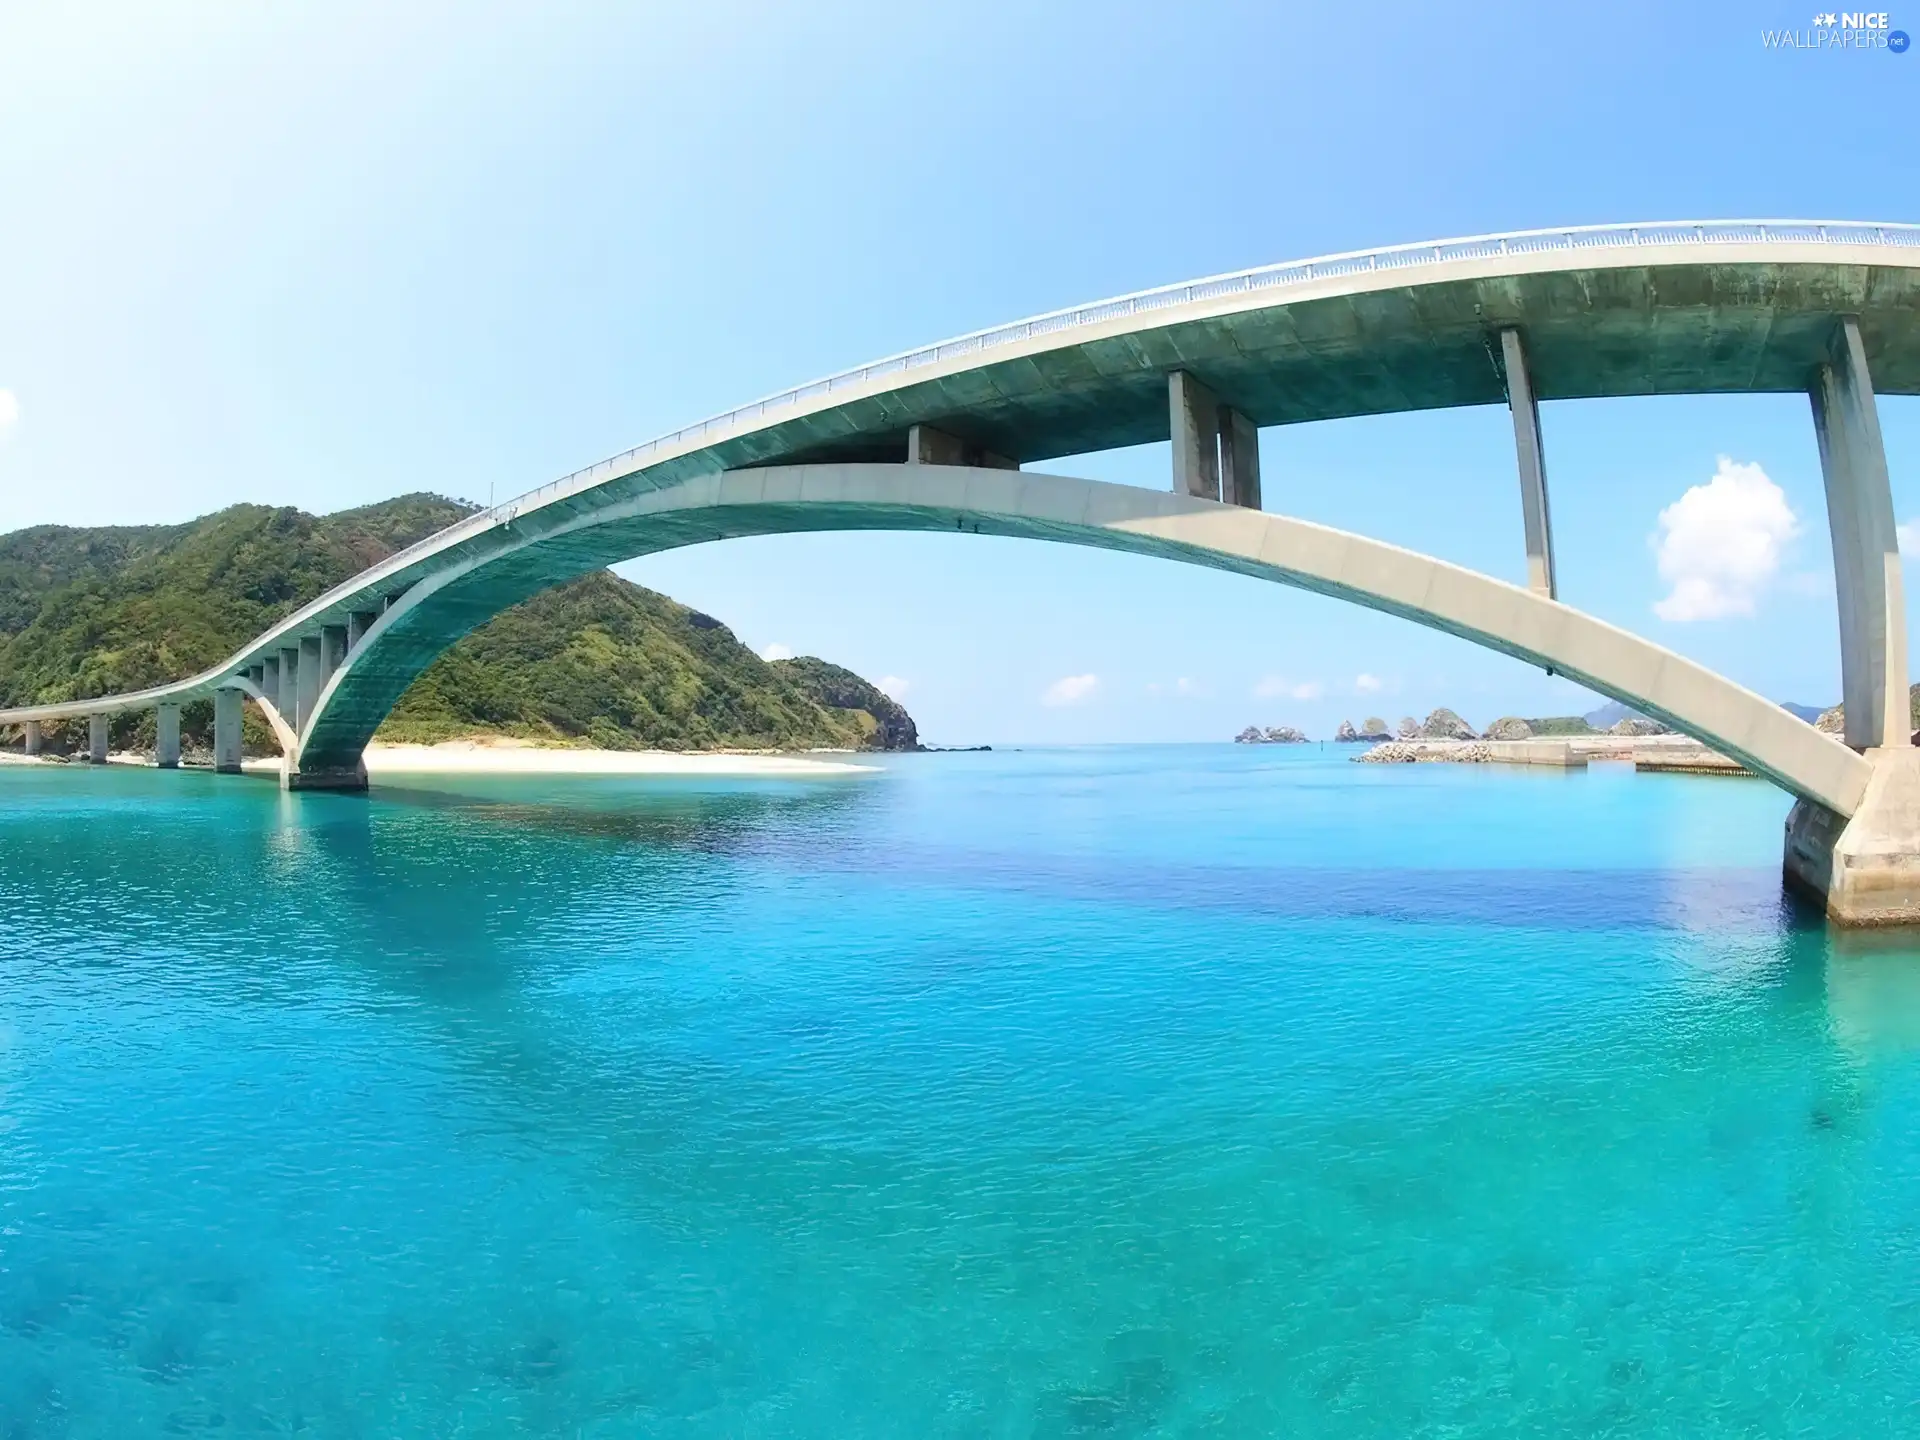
pixel 358 623
pixel 33 737
pixel 226 730
pixel 166 737
pixel 270 680
pixel 333 650
pixel 287 696
pixel 1194 428
pixel 97 739
pixel 1866 548
pixel 1239 459
pixel 1533 465
pixel 1216 449
pixel 308 670
pixel 928 446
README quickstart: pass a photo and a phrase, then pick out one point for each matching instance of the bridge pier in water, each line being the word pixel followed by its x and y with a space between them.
pixel 32 728
pixel 97 739
pixel 166 737
pixel 1865 868
pixel 226 731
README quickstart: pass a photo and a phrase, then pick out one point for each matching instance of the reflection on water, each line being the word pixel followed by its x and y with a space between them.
pixel 1873 993
pixel 1070 1093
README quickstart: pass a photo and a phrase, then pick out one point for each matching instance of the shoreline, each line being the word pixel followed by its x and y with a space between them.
pixel 510 757
pixel 518 757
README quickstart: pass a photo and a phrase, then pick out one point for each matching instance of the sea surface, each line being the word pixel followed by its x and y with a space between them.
pixel 1166 1091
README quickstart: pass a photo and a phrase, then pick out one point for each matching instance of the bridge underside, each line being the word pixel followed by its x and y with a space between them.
pixel 1591 332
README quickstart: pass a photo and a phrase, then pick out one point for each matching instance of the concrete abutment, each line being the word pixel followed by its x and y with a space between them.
pixel 1863 869
pixel 351 779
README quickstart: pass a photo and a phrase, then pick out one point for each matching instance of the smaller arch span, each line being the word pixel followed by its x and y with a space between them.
pixel 788 499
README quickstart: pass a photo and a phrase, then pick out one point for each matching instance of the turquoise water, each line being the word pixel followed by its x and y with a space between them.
pixel 1111 1092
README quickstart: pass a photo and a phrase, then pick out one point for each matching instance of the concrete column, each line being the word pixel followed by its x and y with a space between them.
pixel 1194 426
pixel 358 623
pixel 166 737
pixel 310 678
pixel 1239 459
pixel 288 701
pixel 97 739
pixel 226 731
pixel 333 650
pixel 270 680
pixel 257 674
pixel 1866 547
pixel 928 446
pixel 33 737
pixel 1533 466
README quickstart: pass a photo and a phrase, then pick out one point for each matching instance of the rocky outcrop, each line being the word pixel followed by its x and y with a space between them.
pixel 883 720
pixel 1346 734
pixel 1638 725
pixel 1373 728
pixel 1509 727
pixel 1272 735
pixel 1443 724
pixel 1408 728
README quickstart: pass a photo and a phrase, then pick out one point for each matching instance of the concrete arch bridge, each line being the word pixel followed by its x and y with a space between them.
pixel 939 438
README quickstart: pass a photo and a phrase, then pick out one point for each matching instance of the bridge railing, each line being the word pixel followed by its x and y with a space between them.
pixel 1266 277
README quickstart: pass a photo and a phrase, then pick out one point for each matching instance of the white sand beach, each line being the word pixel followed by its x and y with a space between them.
pixel 518 757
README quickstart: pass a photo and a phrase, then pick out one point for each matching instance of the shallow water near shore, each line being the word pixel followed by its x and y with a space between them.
pixel 1104 1092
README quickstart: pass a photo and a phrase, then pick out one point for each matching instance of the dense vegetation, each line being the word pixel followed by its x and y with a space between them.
pixel 598 661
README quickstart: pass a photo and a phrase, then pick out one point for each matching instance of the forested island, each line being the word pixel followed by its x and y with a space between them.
pixel 598 661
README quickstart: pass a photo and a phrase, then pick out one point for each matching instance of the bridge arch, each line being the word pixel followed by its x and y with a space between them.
pixel 884 496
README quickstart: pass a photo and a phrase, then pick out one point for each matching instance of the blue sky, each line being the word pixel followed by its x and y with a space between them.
pixel 319 255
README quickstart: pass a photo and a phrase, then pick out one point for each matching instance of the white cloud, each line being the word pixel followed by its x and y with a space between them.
pixel 1719 545
pixel 1364 684
pixel 1070 690
pixel 1272 687
pixel 777 651
pixel 9 409
pixel 893 686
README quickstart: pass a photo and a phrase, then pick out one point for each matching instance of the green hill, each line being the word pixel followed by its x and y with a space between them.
pixel 601 661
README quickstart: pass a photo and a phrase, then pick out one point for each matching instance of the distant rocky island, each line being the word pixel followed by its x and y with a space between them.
pixel 1612 732
pixel 1445 724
